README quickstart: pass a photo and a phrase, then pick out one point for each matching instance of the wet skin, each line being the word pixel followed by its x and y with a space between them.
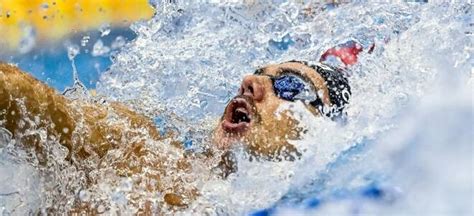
pixel 84 128
pixel 251 117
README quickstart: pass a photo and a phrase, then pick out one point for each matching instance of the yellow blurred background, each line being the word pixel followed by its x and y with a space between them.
pixel 54 19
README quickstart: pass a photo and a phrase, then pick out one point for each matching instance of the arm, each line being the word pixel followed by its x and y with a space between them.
pixel 28 106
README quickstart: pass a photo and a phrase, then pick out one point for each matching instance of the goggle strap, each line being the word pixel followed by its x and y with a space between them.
pixel 318 104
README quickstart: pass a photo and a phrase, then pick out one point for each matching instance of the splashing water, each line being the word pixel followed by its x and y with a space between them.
pixel 409 120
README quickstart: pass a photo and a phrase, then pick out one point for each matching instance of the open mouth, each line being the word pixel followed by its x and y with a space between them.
pixel 238 117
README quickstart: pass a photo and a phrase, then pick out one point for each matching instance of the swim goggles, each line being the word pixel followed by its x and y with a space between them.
pixel 293 87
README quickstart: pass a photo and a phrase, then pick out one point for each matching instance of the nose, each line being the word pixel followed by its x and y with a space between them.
pixel 252 86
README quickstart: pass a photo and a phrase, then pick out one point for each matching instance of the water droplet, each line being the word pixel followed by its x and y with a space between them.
pixel 104 30
pixel 72 51
pixel 44 6
pixel 99 49
pixel 84 196
pixel 119 42
pixel 85 40
pixel 28 39
pixel 5 137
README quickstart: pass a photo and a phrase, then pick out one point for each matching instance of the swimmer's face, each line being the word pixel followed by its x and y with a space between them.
pixel 257 116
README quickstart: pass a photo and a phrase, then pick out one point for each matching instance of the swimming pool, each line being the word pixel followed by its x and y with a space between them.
pixel 405 149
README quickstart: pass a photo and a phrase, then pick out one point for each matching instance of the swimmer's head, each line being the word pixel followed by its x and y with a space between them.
pixel 255 116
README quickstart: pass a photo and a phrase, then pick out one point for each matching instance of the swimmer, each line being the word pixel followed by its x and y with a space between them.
pixel 250 117
pixel 119 138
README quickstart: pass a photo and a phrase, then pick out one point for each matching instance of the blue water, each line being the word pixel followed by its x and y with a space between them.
pixel 51 64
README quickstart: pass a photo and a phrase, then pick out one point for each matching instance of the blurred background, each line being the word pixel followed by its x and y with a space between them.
pixel 42 36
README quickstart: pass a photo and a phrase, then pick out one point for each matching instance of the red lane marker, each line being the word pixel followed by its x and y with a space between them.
pixel 347 53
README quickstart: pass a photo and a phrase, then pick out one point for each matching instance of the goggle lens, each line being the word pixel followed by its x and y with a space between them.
pixel 291 87
pixel 287 87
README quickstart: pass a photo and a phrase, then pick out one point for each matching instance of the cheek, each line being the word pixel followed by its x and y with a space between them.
pixel 292 130
pixel 267 108
pixel 276 120
pixel 271 136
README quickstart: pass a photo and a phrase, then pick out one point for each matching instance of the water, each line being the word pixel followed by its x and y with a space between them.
pixel 405 149
pixel 50 62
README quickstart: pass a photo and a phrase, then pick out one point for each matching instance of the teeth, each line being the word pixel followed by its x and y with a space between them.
pixel 241 110
pixel 240 115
